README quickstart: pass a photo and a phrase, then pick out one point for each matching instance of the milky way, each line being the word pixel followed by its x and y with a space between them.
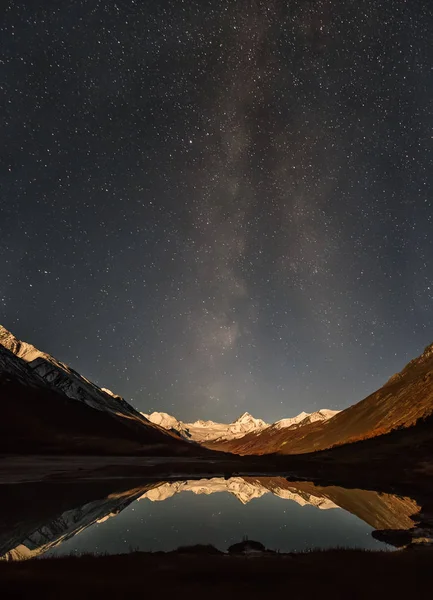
pixel 211 207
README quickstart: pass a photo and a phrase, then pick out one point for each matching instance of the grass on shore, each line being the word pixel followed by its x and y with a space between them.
pixel 337 573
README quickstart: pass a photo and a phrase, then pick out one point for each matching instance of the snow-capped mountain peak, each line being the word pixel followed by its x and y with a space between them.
pixel 244 417
pixel 247 419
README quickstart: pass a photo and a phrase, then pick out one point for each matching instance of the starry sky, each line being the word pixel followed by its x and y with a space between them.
pixel 219 206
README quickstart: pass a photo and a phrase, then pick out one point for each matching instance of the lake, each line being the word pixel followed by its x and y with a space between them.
pixel 122 516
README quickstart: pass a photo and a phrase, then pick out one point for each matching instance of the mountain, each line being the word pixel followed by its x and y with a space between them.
pixel 47 407
pixel 64 379
pixel 201 431
pixel 400 403
pixel 305 418
pixel 168 422
pixel 209 431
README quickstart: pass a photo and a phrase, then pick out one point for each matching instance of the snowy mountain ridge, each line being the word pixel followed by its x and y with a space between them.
pixel 40 368
pixel 304 418
pixel 207 431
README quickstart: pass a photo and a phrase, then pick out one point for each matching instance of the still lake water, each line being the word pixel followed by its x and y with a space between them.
pixel 221 520
pixel 283 516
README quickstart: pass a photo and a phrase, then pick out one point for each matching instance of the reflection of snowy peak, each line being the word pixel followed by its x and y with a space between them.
pixel 206 431
pixel 42 538
pixel 46 369
pixel 66 526
pixel 305 499
pixel 245 491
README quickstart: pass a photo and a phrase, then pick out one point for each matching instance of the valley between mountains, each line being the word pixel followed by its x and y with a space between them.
pixel 55 409
pixel 48 408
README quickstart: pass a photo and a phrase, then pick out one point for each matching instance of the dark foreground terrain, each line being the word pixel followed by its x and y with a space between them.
pixel 396 463
pixel 210 574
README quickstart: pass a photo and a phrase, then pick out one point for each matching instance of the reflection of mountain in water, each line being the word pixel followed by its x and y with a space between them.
pixel 244 489
pixel 42 524
pixel 379 510
pixel 30 528
pixel 62 528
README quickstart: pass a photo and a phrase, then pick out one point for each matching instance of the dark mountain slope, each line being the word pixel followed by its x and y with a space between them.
pixel 37 418
pixel 38 421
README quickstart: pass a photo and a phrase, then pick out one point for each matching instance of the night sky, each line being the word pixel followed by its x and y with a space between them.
pixel 218 206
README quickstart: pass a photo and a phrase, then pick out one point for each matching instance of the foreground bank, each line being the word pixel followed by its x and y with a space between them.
pixel 332 574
